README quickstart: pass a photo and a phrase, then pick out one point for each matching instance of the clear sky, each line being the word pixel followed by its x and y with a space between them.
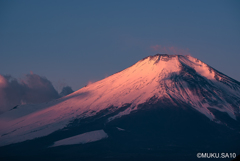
pixel 74 42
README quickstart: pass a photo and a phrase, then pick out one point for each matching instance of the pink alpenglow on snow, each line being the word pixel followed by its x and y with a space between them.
pixel 148 78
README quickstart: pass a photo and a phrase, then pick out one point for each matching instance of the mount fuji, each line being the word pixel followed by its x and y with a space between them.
pixel 167 107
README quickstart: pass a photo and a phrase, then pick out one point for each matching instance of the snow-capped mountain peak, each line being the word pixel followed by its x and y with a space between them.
pixel 177 78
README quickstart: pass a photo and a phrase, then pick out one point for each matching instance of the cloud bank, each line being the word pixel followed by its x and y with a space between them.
pixel 170 50
pixel 32 89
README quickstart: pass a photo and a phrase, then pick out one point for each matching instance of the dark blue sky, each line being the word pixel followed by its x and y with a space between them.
pixel 73 42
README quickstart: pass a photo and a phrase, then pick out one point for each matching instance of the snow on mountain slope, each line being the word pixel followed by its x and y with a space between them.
pixel 175 77
pixel 82 138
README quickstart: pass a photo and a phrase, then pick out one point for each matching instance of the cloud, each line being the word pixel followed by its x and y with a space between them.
pixel 32 89
pixel 66 91
pixel 170 50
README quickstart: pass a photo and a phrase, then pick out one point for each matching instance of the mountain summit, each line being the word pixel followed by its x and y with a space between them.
pixel 158 91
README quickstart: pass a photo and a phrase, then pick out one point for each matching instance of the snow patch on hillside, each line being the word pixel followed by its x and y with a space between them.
pixel 82 138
